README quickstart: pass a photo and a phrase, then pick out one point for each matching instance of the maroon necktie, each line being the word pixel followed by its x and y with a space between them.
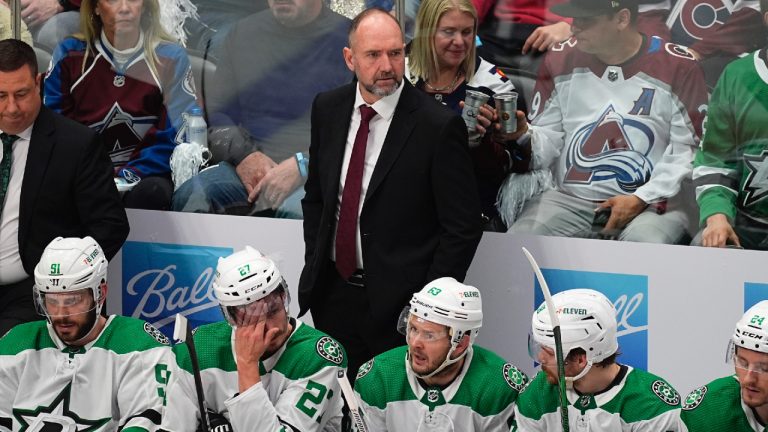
pixel 346 230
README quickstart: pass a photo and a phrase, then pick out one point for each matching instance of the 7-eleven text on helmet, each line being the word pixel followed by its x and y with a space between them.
pixel 71 286
pixel 440 325
pixel 587 321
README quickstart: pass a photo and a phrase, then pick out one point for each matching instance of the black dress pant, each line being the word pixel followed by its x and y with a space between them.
pixel 16 305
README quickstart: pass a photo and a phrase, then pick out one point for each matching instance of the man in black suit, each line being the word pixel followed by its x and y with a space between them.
pixel 390 201
pixel 55 180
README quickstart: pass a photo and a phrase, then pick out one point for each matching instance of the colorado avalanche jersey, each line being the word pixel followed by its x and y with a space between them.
pixel 480 399
pixel 717 26
pixel 298 389
pixel 637 401
pixel 717 407
pixel 116 382
pixel 616 130
pixel 138 113
pixel 731 169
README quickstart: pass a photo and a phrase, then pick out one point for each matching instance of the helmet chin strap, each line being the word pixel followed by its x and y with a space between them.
pixel 447 362
pixel 570 380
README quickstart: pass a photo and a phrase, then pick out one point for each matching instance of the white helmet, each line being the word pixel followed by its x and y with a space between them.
pixel 244 277
pixel 450 303
pixel 752 329
pixel 71 264
pixel 587 321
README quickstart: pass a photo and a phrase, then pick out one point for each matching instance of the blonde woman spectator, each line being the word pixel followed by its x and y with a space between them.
pixel 123 76
pixel 443 63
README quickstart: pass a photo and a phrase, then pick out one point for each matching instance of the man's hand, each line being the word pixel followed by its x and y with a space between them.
pixel 251 341
pixel 253 168
pixel 36 12
pixel 624 208
pixel 544 37
pixel 719 232
pixel 278 183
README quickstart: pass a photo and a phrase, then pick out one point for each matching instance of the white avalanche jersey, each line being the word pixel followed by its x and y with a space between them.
pixel 637 401
pixel 116 382
pixel 481 399
pixel 298 391
pixel 618 130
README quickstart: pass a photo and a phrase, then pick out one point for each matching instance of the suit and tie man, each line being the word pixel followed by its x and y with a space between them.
pixel 391 200
pixel 55 180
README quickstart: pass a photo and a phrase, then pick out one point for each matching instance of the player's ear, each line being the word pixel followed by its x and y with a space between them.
pixel 348 58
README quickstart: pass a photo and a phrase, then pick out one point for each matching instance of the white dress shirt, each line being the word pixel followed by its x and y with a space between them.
pixel 377 132
pixel 11 269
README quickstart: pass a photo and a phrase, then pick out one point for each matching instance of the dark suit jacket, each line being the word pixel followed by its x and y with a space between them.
pixel 68 190
pixel 421 214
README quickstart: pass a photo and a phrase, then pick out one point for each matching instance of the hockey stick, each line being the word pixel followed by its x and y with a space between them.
pixel 558 339
pixel 182 333
pixel 349 395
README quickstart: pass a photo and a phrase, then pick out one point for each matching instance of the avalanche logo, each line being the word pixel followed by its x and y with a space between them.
pixel 162 280
pixel 629 293
pixel 692 20
pixel 122 133
pixel 612 149
pixel 754 293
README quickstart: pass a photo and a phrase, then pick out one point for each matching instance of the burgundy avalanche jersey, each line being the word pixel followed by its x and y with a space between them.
pixel 608 130
pixel 139 114
pixel 717 26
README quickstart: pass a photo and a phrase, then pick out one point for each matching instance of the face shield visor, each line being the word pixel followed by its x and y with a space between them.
pixel 62 305
pixel 263 309
pixel 732 357
pixel 405 327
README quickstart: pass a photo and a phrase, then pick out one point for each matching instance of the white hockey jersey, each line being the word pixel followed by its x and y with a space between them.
pixel 116 382
pixel 618 130
pixel 637 402
pixel 480 399
pixel 298 391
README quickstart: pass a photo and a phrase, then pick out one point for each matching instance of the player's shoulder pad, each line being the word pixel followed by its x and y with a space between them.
pixel 127 334
pixel 31 335
pixel 308 351
pixel 721 387
pixel 538 398
pixel 498 370
pixel 658 386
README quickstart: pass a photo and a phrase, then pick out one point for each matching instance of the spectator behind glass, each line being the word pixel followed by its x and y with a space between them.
pixel 443 63
pixel 50 21
pixel 716 31
pixel 124 77
pixel 216 19
pixel 271 66
pixel 6 21
pixel 730 167
pixel 616 116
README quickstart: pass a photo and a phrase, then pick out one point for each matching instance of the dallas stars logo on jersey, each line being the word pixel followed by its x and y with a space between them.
pixel 56 416
pixel 756 183
pixel 330 350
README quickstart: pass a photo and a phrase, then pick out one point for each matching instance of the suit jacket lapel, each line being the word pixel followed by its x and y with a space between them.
pixel 397 135
pixel 38 156
pixel 337 141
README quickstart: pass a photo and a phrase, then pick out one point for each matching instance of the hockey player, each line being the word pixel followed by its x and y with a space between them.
pixel 78 370
pixel 440 381
pixel 603 396
pixel 616 115
pixel 736 403
pixel 261 369
pixel 728 169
